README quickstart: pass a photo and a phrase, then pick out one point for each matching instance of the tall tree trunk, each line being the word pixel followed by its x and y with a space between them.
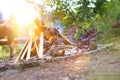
pixel 85 8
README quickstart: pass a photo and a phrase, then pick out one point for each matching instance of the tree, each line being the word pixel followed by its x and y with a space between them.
pixel 85 8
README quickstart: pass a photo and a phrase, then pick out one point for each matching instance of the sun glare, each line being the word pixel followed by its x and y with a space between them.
pixel 23 12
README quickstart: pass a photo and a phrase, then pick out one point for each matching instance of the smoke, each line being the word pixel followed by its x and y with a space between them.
pixel 52 21
pixel 57 24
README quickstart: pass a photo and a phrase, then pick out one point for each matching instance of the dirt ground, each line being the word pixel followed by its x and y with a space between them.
pixel 102 65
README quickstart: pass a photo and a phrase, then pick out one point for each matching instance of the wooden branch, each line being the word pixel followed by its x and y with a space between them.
pixel 29 48
pixel 66 41
pixel 40 55
pixel 50 49
pixel 36 47
pixel 26 43
pixel 71 14
pixel 24 52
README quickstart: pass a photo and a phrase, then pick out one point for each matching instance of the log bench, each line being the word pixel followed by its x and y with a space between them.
pixel 16 41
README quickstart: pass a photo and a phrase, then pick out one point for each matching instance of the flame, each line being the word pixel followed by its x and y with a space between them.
pixel 50 38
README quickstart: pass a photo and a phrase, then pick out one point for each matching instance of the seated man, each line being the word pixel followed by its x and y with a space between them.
pixel 6 31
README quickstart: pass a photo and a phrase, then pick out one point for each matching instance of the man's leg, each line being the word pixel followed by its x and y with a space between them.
pixel 10 38
pixel 12 51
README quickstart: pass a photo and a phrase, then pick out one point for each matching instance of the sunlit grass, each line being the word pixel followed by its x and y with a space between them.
pixel 4 52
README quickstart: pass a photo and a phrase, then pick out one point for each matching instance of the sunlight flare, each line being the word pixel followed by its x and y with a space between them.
pixel 23 12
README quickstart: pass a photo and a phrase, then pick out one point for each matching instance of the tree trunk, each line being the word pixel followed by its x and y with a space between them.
pixel 85 8
pixel 71 14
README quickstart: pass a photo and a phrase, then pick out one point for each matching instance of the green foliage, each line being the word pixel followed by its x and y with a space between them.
pixel 100 6
pixel 0 48
pixel 112 9
pixel 102 15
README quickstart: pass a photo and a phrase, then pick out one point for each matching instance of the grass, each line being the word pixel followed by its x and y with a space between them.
pixel 4 52
pixel 109 36
pixel 105 77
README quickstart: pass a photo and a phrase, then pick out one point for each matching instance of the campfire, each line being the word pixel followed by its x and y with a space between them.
pixel 41 41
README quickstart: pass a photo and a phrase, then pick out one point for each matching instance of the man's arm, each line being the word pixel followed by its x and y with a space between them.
pixel 3 24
